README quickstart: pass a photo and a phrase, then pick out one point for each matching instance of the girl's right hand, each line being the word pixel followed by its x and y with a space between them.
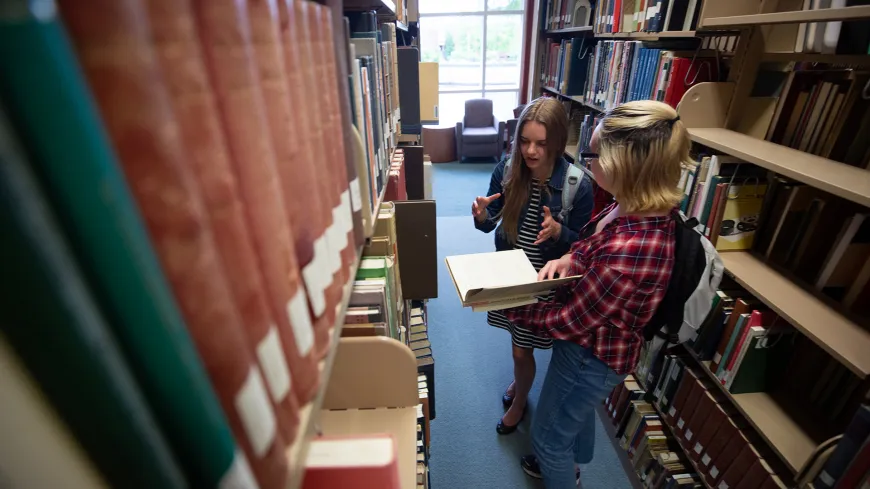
pixel 560 267
pixel 478 207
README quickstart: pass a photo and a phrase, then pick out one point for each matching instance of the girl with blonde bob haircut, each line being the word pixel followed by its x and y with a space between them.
pixel 524 203
pixel 624 259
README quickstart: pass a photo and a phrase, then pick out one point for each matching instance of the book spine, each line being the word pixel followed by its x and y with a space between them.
pixel 226 42
pixel 52 108
pixel 56 327
pixel 290 165
pixel 208 159
pixel 121 65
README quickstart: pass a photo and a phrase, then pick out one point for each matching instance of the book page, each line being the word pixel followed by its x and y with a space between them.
pixel 488 270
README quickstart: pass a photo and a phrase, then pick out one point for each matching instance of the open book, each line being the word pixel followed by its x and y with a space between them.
pixel 499 280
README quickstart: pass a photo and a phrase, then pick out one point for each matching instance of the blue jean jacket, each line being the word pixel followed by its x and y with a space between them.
pixel 580 214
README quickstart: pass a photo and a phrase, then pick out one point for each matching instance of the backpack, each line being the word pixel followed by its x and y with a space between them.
pixel 697 272
pixel 573 177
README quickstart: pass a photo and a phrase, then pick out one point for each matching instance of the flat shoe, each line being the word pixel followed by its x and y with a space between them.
pixel 504 429
pixel 507 400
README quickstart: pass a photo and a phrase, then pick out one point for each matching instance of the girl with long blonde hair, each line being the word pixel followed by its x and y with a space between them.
pixel 523 205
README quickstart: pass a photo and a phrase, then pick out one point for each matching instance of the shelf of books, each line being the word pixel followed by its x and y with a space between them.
pixel 199 296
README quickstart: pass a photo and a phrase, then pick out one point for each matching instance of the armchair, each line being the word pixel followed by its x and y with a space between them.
pixel 480 134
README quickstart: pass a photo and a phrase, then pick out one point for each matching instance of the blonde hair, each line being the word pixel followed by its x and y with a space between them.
pixel 643 147
pixel 551 114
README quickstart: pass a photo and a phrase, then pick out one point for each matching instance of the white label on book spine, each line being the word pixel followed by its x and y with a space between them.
pixel 705 460
pixel 355 195
pixel 722 485
pixel 239 476
pixel 714 472
pixel 689 434
pixel 674 374
pixel 717 358
pixel 827 479
pixel 347 210
pixel 698 448
pixel 256 413
pixel 334 239
pixel 672 411
pixel 680 423
pixel 303 331
pixel 316 276
pixel 274 365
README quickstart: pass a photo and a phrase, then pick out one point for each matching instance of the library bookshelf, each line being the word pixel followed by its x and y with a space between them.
pixel 714 113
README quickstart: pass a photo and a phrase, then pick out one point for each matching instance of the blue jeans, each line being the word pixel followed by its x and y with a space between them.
pixel 563 429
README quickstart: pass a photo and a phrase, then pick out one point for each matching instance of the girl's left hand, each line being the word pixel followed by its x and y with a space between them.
pixel 550 229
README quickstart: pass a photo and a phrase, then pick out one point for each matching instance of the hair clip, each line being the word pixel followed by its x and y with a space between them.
pixel 672 121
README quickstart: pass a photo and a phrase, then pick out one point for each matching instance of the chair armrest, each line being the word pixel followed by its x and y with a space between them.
pixel 458 135
pixel 499 126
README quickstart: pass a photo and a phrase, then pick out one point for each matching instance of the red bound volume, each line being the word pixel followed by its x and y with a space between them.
pixel 330 138
pixel 223 31
pixel 313 110
pixel 351 196
pixel 207 157
pixel 113 39
pixel 295 176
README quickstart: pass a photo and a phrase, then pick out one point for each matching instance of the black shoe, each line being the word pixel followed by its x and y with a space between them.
pixel 530 466
pixel 503 429
pixel 507 400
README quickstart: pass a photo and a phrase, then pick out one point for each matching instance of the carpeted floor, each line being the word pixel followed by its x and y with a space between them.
pixel 473 365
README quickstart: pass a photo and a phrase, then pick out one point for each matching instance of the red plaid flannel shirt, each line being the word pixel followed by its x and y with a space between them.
pixel 626 268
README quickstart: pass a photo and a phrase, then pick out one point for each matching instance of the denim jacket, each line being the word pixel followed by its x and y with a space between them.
pixel 577 218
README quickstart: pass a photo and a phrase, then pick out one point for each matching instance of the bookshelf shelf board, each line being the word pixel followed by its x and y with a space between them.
pixel 627 466
pixel 384 7
pixel 570 151
pixel 576 98
pixel 401 26
pixel 846 341
pixel 846 181
pixel 569 30
pixel 844 59
pixel 792 17
pixel 647 36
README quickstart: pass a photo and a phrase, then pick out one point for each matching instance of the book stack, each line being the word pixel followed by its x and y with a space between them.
pixel 422 348
pixel 622 71
pixel 396 184
pixel 184 253
pixel 423 433
pixel 640 432
pixel 646 15
pixel 833 37
pixel 563 14
pixel 714 439
pixel 817 111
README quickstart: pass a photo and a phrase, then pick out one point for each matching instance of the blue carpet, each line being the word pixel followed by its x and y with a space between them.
pixel 473 365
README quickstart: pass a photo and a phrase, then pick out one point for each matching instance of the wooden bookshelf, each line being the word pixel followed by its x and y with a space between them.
pixel 841 59
pixel 846 341
pixel 788 430
pixel 569 30
pixel 575 98
pixel 570 151
pixel 680 443
pixel 374 390
pixel 846 181
pixel 791 17
pixel 298 450
pixel 383 7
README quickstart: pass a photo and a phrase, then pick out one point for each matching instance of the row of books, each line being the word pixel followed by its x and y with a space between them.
pixel 832 37
pixel 565 65
pixel 563 14
pixel 622 71
pixel 375 95
pixel 820 238
pixel 188 250
pixel 419 342
pixel 848 460
pixel 812 109
pixel 646 15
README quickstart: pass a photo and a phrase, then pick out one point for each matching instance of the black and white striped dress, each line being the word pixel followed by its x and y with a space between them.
pixel 526 237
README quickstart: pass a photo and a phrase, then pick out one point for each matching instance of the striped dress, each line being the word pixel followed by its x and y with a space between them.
pixel 526 237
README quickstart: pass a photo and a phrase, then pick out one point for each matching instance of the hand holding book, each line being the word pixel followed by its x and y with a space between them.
pixel 554 268
pixel 478 207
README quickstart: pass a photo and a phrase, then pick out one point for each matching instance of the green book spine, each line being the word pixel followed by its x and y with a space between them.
pixel 765 361
pixel 711 196
pixel 53 323
pixel 50 105
pixel 732 344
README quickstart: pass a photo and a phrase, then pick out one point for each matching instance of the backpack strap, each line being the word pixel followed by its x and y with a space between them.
pixel 573 177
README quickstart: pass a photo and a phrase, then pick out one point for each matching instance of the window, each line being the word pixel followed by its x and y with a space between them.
pixel 477 45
